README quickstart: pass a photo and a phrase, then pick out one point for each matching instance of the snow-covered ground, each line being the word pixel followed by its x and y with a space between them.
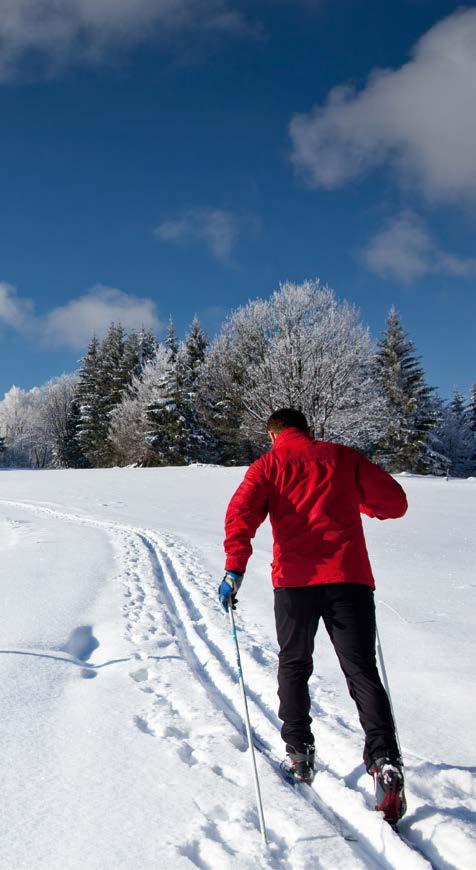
pixel 122 742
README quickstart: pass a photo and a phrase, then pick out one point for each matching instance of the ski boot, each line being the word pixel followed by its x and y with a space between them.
pixel 387 773
pixel 299 766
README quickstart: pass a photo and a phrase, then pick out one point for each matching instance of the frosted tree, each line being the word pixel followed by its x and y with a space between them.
pixel 166 435
pixel 71 454
pixel 303 349
pixel 127 432
pixel 148 346
pixel 93 428
pixel 35 422
pixel 114 374
pixel 200 443
pixel 472 426
pixel 130 424
pixel 472 410
pixel 412 408
pixel 139 349
pixel 106 374
pixel 17 424
pixel 157 421
pixel 196 343
pixel 171 341
pixel 455 438
pixel 55 402
pixel 132 357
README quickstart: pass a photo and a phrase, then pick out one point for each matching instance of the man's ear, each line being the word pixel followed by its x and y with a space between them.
pixel 272 435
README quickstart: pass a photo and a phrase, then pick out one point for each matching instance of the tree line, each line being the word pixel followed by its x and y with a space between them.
pixel 139 401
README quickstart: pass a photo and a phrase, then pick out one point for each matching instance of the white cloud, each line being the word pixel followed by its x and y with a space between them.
pixel 218 228
pixel 14 311
pixel 420 119
pixel 85 31
pixel 72 325
pixel 404 250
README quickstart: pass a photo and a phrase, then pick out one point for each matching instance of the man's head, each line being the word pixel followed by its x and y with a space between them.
pixel 284 419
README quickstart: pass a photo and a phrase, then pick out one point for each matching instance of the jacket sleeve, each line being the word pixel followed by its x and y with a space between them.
pixel 248 508
pixel 380 494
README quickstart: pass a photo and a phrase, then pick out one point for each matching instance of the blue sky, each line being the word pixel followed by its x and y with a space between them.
pixel 170 157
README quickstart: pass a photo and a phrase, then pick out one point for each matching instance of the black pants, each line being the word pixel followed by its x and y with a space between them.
pixel 348 612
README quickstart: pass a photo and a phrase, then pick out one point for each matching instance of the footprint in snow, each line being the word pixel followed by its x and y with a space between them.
pixel 143 726
pixel 141 675
pixel 81 643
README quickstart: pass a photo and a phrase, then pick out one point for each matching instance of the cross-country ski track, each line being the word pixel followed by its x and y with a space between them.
pixel 189 710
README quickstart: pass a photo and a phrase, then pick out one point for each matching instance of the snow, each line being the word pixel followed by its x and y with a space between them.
pixel 123 744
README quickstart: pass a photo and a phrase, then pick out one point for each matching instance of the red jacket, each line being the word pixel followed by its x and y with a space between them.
pixel 314 492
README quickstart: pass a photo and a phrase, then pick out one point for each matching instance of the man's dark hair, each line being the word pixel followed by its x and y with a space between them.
pixel 286 417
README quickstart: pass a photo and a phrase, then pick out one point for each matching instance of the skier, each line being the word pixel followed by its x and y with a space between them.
pixel 314 492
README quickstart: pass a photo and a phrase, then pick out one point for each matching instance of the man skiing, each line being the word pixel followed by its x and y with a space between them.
pixel 314 493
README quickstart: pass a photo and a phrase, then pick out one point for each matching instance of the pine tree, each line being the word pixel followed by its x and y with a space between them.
pixel 114 375
pixel 93 425
pixel 3 448
pixel 472 410
pixel 201 444
pixel 132 357
pixel 171 342
pixel 196 343
pixel 71 454
pixel 148 346
pixel 412 413
pixel 166 434
pixel 472 426
pixel 454 437
pixel 104 378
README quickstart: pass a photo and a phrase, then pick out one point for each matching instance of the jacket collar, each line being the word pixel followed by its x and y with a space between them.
pixel 291 435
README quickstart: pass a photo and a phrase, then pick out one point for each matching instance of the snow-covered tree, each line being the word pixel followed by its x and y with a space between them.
pixel 128 430
pixel 71 454
pixel 196 343
pixel 472 410
pixel 132 356
pixel 106 374
pixel 115 376
pixel 171 341
pixel 129 421
pixel 157 421
pixel 93 428
pixel 472 426
pixel 302 349
pixel 411 403
pixel 201 444
pixel 55 403
pixel 166 435
pixel 17 419
pixel 148 346
pixel 455 439
pixel 34 422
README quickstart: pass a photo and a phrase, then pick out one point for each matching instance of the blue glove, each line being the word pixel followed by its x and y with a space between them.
pixel 228 588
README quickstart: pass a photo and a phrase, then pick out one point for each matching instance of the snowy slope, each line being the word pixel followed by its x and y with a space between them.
pixel 122 738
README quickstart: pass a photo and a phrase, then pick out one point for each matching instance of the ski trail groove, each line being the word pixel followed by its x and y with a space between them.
pixel 376 844
pixel 165 612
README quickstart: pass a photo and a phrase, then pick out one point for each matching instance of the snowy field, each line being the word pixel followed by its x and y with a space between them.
pixel 122 743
